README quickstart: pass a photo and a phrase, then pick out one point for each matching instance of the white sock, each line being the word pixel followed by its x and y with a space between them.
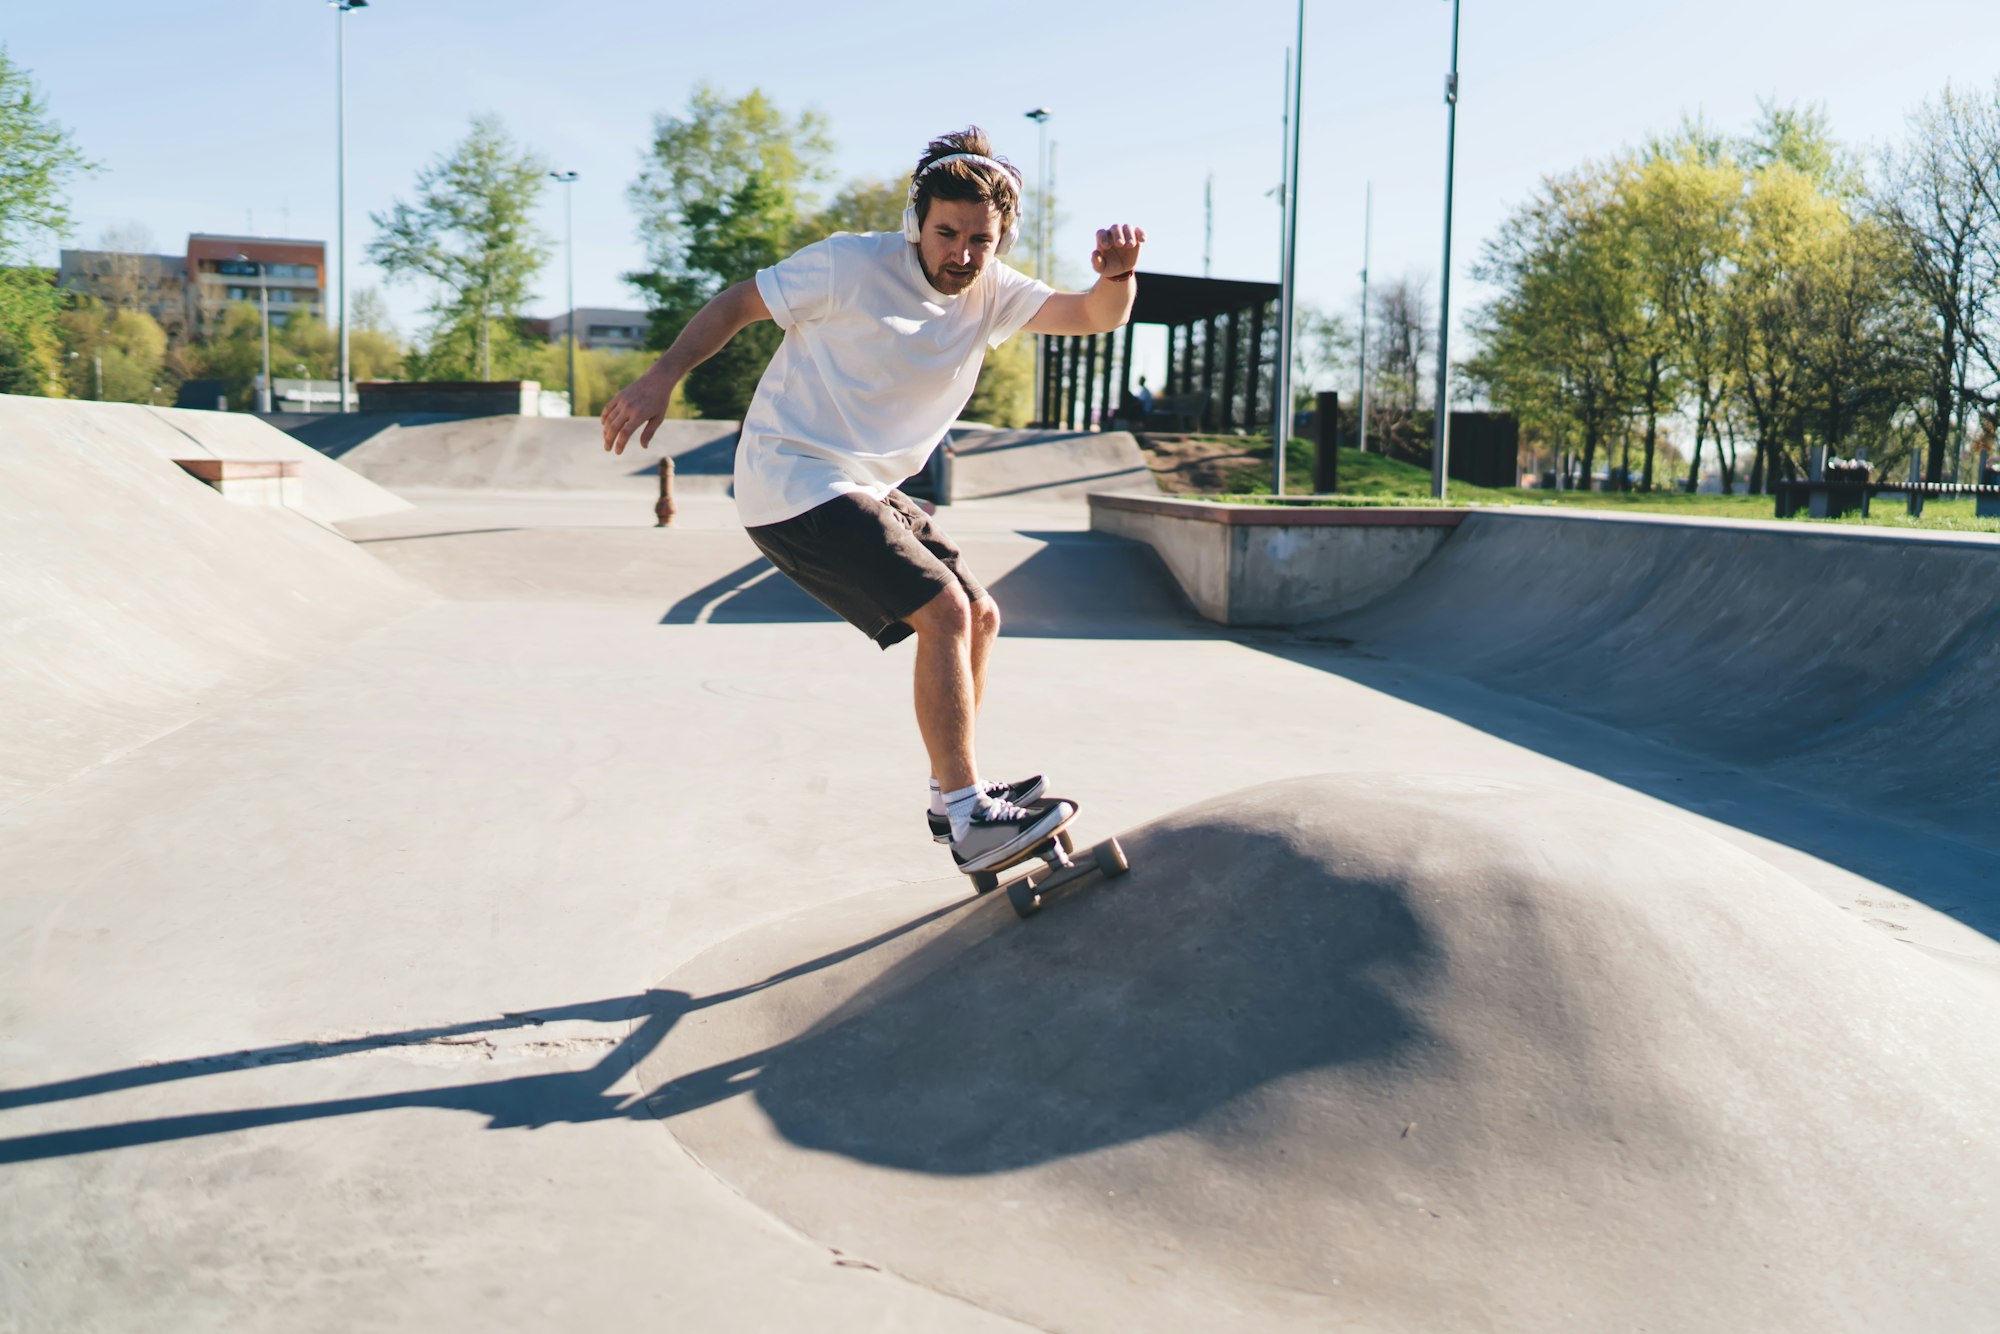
pixel 937 799
pixel 959 806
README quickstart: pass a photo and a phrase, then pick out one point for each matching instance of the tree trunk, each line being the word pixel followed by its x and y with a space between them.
pixel 1652 419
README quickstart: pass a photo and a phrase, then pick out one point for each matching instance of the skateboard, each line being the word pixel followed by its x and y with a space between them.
pixel 1060 868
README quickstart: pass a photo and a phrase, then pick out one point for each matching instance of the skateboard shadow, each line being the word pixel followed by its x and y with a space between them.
pixel 574 1096
pixel 1161 1002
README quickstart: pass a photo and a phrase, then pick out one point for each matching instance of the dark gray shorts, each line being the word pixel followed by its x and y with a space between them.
pixel 871 562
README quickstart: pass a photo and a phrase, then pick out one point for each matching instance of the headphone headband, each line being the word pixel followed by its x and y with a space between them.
pixel 912 233
pixel 1008 167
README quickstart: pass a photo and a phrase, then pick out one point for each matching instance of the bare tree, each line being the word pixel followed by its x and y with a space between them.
pixel 1939 205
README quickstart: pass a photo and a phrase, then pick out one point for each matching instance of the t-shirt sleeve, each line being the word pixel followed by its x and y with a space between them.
pixel 1017 299
pixel 799 289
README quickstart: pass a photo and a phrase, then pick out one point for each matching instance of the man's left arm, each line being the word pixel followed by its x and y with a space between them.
pixel 1108 304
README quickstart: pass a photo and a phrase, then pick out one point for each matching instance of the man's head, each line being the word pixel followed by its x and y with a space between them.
pixel 963 209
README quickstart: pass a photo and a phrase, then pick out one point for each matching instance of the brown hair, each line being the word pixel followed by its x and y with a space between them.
pixel 973 181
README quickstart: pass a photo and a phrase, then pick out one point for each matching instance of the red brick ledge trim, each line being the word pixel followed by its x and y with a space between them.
pixel 1284 516
pixel 236 470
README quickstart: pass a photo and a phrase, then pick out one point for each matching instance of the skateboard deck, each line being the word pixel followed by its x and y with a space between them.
pixel 1057 868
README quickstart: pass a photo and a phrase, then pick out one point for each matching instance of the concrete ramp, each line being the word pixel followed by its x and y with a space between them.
pixel 1857 664
pixel 135 597
pixel 1052 465
pixel 1382 1052
pixel 540 454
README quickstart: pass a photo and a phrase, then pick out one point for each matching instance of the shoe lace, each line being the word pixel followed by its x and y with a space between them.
pixel 998 810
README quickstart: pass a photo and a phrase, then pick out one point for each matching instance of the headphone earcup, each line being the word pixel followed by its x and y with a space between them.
pixel 913 232
pixel 1007 238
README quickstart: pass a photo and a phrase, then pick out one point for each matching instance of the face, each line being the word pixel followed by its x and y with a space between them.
pixel 958 238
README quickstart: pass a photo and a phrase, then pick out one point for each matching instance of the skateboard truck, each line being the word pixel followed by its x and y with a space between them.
pixel 1060 869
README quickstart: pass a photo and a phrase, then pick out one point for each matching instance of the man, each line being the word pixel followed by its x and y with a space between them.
pixel 884 336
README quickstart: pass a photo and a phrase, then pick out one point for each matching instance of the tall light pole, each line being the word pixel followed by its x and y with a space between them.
pixel 566 179
pixel 1281 429
pixel 1367 229
pixel 340 177
pixel 1040 115
pixel 1441 441
pixel 264 299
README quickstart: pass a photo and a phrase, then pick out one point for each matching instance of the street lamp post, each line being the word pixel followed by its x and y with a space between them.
pixel 340 179
pixel 1040 115
pixel 1367 232
pixel 567 179
pixel 1441 437
pixel 1281 429
pixel 263 300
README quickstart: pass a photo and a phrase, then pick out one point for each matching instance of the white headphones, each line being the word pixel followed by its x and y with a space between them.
pixel 913 231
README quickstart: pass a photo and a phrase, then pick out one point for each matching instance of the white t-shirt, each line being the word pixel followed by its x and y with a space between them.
pixel 875 367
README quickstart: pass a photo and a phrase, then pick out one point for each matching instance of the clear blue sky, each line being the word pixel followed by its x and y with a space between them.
pixel 218 115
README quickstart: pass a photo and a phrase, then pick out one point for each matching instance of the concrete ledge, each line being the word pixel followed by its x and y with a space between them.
pixel 1279 515
pixel 279 482
pixel 1275 565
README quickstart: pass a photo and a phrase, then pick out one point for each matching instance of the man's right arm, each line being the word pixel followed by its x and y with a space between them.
pixel 642 405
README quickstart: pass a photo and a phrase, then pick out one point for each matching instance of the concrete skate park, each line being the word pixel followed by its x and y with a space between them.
pixel 438 897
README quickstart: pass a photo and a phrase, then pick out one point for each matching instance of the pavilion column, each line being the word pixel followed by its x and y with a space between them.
pixel 1208 374
pixel 1234 330
pixel 1125 369
pixel 1107 407
pixel 1089 381
pixel 1251 389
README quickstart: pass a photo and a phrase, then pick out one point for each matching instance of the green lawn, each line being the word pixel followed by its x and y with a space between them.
pixel 1370 479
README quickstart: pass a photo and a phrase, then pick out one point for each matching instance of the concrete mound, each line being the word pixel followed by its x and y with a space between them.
pixel 1047 465
pixel 539 454
pixel 135 597
pixel 1380 1052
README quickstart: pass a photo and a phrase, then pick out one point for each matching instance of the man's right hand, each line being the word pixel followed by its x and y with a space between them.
pixel 640 406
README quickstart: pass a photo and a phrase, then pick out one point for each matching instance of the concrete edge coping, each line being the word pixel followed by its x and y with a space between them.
pixel 237 470
pixel 1283 516
pixel 1414 516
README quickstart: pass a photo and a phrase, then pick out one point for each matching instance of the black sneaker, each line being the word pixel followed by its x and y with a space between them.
pixel 1002 832
pixel 1020 792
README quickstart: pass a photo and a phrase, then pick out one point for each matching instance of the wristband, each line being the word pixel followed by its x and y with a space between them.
pixel 1124 277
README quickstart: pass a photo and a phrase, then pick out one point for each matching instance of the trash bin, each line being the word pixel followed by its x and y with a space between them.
pixel 1986 503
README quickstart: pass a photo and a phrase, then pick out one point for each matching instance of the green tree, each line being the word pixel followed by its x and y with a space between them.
pixel 721 196
pixel 37 158
pixel 233 352
pixel 1557 345
pixel 861 205
pixel 1684 204
pixel 1005 394
pixel 374 351
pixel 127 348
pixel 135 346
pixel 470 235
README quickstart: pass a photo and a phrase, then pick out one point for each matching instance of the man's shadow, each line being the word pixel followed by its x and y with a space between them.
pixel 523 1102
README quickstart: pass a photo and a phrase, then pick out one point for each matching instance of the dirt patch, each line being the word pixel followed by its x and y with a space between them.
pixel 1186 465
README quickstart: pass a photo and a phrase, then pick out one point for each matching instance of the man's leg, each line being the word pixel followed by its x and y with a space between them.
pixel 947 684
pixel 985 628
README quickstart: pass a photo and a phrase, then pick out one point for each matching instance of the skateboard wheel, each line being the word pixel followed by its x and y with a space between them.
pixel 1062 837
pixel 985 882
pixel 1026 899
pixel 1110 858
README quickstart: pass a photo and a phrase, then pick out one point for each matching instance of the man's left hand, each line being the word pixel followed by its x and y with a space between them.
pixel 1117 249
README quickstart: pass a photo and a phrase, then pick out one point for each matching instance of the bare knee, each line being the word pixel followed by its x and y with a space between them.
pixel 948 615
pixel 986 617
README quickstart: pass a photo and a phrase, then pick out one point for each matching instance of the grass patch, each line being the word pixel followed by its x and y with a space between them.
pixel 1371 479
